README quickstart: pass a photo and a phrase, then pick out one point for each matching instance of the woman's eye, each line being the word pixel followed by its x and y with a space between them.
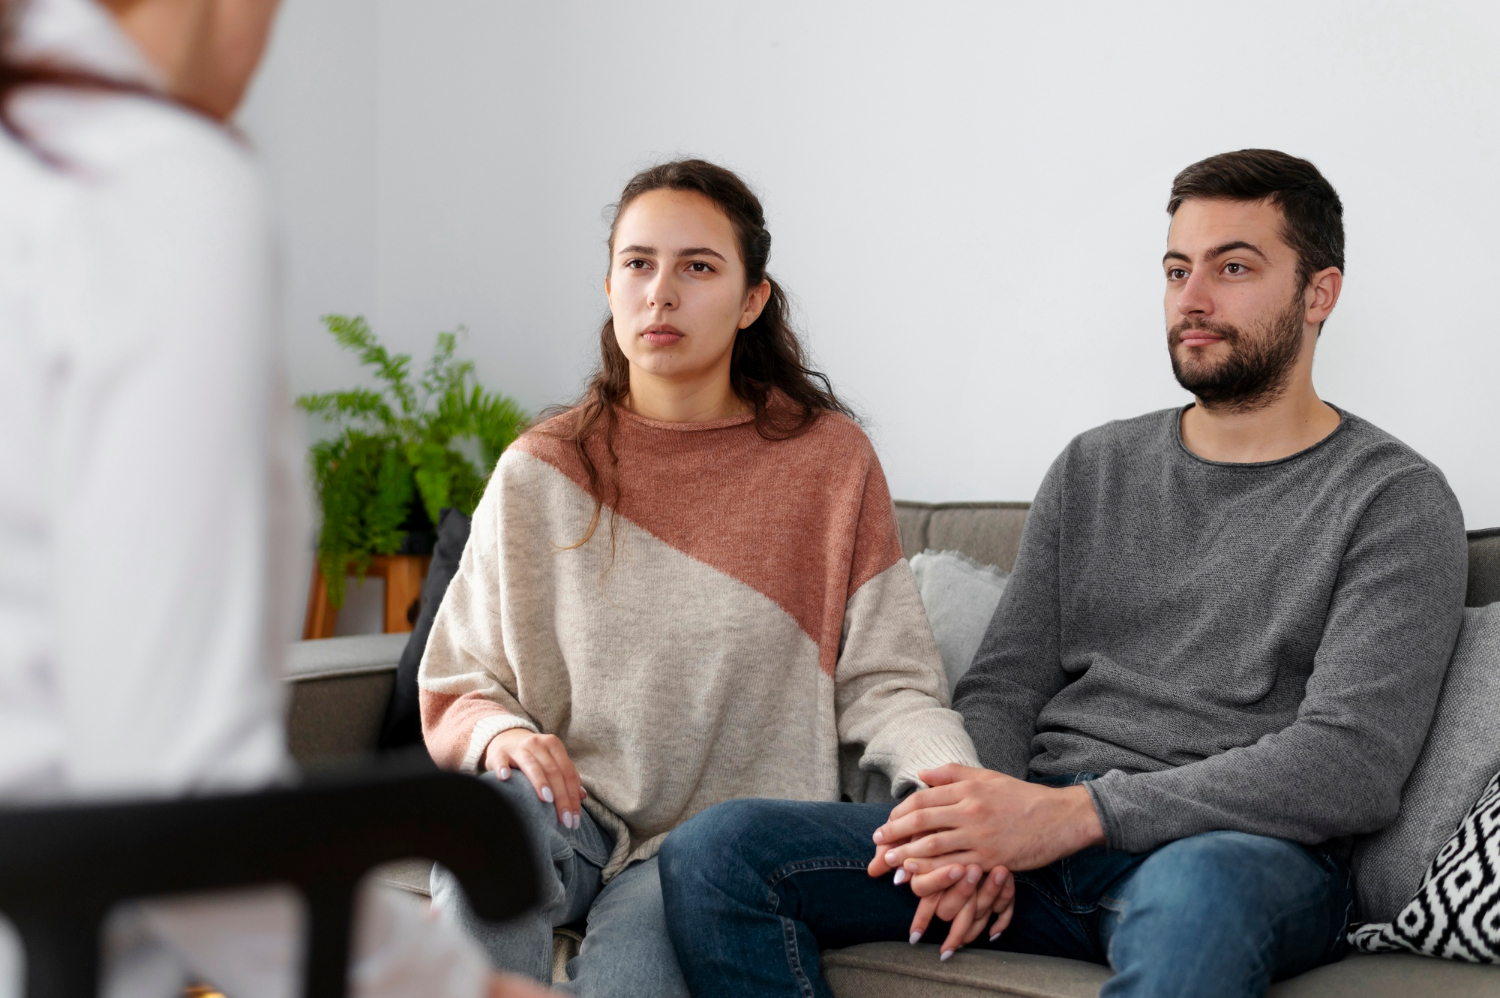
pixel 636 264
pixel 699 267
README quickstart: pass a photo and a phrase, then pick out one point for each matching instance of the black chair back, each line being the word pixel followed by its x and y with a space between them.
pixel 63 868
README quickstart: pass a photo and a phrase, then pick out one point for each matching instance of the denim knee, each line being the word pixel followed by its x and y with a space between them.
pixel 710 837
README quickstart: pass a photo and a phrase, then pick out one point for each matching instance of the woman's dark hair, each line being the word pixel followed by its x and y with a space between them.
pixel 767 360
pixel 16 75
pixel 1314 216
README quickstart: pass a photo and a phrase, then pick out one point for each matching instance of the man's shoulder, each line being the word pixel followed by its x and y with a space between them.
pixel 1364 445
pixel 1123 436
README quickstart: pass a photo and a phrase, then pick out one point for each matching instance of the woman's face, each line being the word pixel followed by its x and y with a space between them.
pixel 676 288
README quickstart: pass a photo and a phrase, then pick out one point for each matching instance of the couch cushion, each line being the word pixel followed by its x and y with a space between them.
pixel 402 725
pixel 896 970
pixel 1461 754
pixel 959 595
pixel 988 532
pixel 1456 912
pixel 1484 567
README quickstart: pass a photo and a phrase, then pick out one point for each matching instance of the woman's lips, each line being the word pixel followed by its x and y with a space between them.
pixel 661 336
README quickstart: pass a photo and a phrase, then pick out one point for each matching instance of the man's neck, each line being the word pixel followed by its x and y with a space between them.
pixel 1288 425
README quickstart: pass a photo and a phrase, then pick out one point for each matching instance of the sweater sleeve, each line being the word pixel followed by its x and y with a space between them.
pixel 1018 667
pixel 467 687
pixel 892 695
pixel 1338 769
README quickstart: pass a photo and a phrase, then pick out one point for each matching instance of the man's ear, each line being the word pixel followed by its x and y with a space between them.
pixel 755 302
pixel 1323 294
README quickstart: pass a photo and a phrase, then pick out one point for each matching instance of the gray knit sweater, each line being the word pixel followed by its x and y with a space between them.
pixel 1250 647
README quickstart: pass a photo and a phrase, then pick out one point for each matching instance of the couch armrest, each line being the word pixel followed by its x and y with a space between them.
pixel 338 690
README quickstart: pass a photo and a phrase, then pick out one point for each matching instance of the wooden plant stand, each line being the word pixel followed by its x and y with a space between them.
pixel 403 575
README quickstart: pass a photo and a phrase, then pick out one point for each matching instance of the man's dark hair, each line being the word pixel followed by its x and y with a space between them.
pixel 1314 215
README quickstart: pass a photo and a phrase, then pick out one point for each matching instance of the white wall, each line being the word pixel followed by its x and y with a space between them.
pixel 967 198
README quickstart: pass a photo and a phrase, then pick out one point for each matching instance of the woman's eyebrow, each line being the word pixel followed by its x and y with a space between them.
pixel 700 251
pixel 643 250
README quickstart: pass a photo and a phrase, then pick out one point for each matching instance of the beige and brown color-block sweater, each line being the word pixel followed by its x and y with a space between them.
pixel 748 613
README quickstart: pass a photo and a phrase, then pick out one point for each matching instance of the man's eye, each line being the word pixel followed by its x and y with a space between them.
pixel 1234 268
pixel 1176 274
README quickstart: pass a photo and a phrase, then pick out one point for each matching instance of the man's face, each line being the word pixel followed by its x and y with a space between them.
pixel 1235 309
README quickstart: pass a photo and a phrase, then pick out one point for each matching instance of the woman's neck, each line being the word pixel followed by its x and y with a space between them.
pixel 672 402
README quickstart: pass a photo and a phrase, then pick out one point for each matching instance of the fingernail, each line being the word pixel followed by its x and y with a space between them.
pixel 901 877
pixel 879 836
pixel 567 819
pixel 547 794
pixel 954 872
pixel 890 858
pixel 996 936
pixel 946 954
pixel 916 937
pixel 504 772
pixel 574 816
pixel 582 792
pixel 974 876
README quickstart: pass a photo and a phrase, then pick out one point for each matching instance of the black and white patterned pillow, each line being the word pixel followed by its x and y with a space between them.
pixel 1456 913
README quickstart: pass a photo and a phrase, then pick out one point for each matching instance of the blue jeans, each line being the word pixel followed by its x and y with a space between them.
pixel 754 888
pixel 626 952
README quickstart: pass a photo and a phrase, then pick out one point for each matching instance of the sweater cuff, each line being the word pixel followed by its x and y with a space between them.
pixel 485 730
pixel 938 749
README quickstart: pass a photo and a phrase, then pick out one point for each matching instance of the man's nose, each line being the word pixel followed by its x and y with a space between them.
pixel 1195 299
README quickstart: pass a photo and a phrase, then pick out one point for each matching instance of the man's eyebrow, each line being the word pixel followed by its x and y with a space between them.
pixel 1217 251
pixel 1238 244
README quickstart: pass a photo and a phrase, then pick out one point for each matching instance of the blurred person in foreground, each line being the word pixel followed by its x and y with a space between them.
pixel 1215 663
pixel 149 506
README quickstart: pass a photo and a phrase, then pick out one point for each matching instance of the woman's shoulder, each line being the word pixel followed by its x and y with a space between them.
pixel 837 438
pixel 549 440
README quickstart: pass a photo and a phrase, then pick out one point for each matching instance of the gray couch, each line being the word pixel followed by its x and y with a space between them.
pixel 339 688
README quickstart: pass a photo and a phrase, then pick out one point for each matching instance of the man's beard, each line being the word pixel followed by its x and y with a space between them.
pixel 1255 373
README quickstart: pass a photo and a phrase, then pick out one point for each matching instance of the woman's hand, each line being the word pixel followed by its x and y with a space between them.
pixel 546 764
pixel 509 986
pixel 967 905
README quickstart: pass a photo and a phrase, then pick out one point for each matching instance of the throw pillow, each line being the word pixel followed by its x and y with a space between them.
pixel 403 720
pixel 960 596
pixel 1456 913
pixel 1461 754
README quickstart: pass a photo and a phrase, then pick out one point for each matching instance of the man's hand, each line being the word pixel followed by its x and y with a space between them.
pixel 546 764
pixel 987 819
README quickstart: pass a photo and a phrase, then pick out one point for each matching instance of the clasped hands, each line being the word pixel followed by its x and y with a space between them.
pixel 960 842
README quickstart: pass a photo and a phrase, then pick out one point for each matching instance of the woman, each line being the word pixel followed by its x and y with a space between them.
pixel 147 496
pixel 685 589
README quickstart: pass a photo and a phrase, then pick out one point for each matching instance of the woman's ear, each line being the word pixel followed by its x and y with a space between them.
pixel 755 301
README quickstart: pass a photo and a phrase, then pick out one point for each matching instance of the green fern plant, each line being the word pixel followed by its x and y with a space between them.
pixel 404 444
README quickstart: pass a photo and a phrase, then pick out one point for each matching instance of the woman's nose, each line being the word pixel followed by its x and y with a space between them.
pixel 662 292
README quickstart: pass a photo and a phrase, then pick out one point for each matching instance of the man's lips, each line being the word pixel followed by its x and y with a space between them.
pixel 1199 338
pixel 661 335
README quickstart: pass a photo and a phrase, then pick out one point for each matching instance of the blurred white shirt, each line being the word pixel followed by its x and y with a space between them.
pixel 150 506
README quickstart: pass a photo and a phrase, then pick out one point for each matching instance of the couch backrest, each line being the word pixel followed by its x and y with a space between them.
pixel 990 532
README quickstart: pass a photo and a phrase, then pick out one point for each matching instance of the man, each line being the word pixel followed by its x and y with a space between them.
pixel 1215 662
